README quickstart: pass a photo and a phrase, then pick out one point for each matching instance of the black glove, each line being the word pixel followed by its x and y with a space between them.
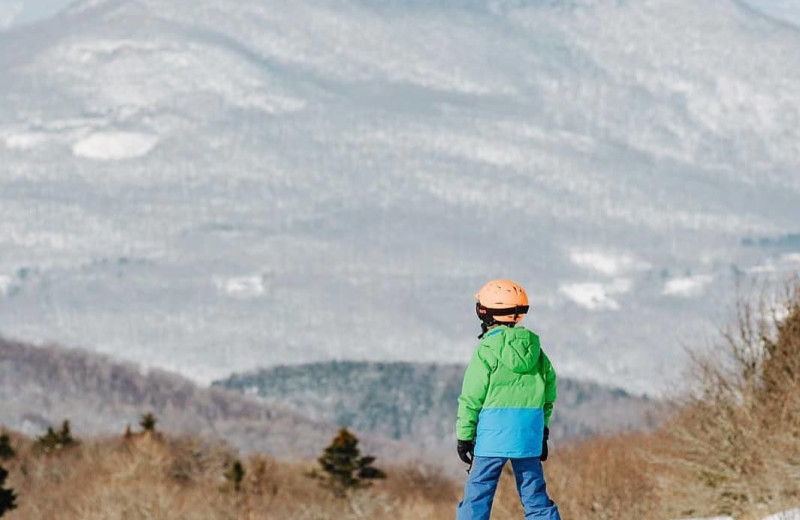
pixel 545 449
pixel 466 451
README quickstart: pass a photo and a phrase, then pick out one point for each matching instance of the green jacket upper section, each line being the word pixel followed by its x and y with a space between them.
pixel 508 370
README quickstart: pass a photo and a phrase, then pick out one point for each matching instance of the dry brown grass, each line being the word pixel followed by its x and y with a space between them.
pixel 733 447
pixel 607 478
pixel 155 477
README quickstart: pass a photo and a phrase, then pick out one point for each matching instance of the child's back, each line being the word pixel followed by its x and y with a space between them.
pixel 507 396
pixel 505 407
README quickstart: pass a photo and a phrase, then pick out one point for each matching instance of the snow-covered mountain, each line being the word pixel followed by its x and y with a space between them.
pixel 214 185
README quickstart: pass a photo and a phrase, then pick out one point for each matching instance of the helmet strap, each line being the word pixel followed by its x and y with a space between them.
pixel 484 329
pixel 487 316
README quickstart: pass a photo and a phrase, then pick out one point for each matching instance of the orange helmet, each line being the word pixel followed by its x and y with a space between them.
pixel 501 301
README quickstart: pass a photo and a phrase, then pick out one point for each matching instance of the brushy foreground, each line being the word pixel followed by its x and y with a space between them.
pixel 731 446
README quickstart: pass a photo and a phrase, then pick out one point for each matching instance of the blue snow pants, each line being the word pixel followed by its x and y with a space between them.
pixel 482 484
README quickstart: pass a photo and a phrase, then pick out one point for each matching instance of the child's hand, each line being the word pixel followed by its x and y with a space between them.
pixel 466 451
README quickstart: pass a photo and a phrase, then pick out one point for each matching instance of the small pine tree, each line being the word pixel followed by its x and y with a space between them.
pixel 52 440
pixel 343 467
pixel 6 450
pixel 8 498
pixel 235 475
pixel 65 435
pixel 148 422
pixel 128 433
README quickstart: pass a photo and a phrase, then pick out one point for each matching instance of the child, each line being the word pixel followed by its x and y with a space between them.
pixel 505 406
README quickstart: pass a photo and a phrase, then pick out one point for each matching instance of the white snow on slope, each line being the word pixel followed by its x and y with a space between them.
pixel 112 146
pixel 137 75
pixel 597 296
pixel 382 159
pixel 24 140
pixel 242 286
pixel 712 518
pixel 786 262
pixel 606 263
pixel 5 284
pixel 687 286
pixel 793 514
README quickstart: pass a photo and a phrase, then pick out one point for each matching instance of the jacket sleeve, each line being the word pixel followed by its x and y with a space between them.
pixel 473 394
pixel 550 392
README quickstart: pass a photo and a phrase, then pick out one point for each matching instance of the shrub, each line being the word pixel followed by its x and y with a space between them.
pixel 736 442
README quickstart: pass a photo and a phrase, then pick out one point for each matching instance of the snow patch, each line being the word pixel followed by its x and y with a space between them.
pixel 241 286
pixel 687 287
pixel 714 518
pixel 596 296
pixel 605 263
pixel 5 284
pixel 768 267
pixel 785 262
pixel 794 514
pixel 791 258
pixel 113 146
pixel 24 141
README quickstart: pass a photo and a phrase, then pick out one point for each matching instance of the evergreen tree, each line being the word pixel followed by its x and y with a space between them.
pixel 7 496
pixel 148 422
pixel 343 467
pixel 53 440
pixel 235 475
pixel 6 450
pixel 65 435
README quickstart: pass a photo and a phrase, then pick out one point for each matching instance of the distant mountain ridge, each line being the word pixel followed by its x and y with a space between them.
pixel 41 386
pixel 417 403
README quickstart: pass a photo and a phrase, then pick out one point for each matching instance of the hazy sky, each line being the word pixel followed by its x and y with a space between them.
pixel 14 12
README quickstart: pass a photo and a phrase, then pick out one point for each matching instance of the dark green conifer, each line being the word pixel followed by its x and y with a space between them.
pixel 343 467
pixel 235 474
pixel 65 435
pixel 148 422
pixel 53 440
pixel 6 450
pixel 8 499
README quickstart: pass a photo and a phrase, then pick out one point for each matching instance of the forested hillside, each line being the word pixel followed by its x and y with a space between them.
pixel 41 386
pixel 417 402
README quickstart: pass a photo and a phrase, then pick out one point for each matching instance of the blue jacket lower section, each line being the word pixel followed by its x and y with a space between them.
pixel 514 433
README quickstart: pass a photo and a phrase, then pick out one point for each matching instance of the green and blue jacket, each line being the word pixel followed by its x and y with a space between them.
pixel 507 396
